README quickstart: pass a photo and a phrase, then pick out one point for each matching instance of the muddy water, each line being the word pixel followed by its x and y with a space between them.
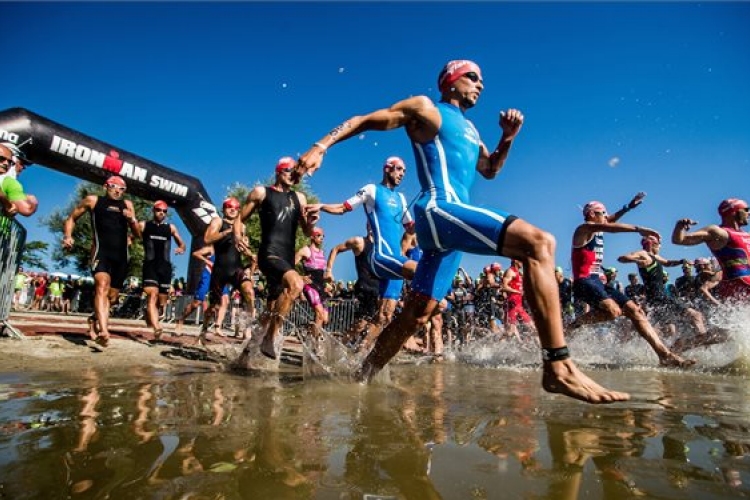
pixel 454 430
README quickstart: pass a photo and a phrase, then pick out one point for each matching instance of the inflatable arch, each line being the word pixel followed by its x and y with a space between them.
pixel 55 146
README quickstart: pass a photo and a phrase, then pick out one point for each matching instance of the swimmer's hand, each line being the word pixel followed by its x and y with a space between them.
pixel 511 122
pixel 242 244
pixel 686 223
pixel 67 242
pixel 308 163
pixel 637 200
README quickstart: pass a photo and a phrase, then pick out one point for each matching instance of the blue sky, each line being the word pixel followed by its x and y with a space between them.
pixel 618 98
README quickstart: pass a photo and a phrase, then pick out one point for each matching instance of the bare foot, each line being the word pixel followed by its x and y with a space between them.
pixel 564 377
pixel 102 340
pixel 93 328
pixel 672 360
pixel 268 346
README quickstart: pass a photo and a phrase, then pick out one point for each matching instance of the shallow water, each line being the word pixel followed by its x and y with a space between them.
pixel 453 430
pixel 476 426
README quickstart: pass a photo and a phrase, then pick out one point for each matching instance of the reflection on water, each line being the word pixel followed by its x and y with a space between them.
pixel 439 431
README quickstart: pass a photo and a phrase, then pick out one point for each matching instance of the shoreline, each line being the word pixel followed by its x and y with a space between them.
pixel 60 343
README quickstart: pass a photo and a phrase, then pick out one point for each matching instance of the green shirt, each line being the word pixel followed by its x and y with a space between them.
pixel 13 189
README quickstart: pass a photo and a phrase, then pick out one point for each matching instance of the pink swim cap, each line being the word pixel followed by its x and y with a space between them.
pixel 284 163
pixel 594 206
pixel 231 202
pixel 454 70
pixel 317 230
pixel 394 161
pixel 116 180
pixel 731 206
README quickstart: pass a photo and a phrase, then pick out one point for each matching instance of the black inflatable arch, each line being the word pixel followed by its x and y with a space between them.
pixel 55 146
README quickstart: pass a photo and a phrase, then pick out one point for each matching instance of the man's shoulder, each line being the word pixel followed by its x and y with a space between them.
pixel 12 189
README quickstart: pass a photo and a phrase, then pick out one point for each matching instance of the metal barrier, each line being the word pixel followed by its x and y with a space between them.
pixel 340 314
pixel 12 241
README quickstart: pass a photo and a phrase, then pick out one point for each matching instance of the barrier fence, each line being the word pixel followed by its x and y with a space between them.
pixel 12 241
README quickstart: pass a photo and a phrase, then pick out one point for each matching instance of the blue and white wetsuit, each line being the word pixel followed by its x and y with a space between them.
pixel 387 213
pixel 446 223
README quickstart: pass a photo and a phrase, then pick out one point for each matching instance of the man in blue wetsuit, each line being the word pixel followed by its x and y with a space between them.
pixel 448 154
pixel 388 217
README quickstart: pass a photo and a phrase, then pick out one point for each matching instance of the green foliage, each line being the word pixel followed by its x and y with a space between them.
pixel 241 191
pixel 80 255
pixel 33 255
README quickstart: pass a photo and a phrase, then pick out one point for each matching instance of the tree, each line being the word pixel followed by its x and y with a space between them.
pixel 80 256
pixel 33 255
pixel 240 191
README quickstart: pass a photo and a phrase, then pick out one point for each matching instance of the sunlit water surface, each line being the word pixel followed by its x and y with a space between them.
pixel 476 426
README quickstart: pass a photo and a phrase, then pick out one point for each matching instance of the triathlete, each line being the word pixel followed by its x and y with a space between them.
pixel 157 237
pixel 281 210
pixel 111 215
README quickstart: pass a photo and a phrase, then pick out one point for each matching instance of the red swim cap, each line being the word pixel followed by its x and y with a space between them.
pixel 161 204
pixel 116 180
pixel 394 161
pixel 731 206
pixel 649 241
pixel 594 206
pixel 231 202
pixel 284 163
pixel 496 267
pixel 454 70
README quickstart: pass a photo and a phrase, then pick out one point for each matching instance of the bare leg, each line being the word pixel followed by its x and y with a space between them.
pixel 102 301
pixel 666 357
pixel 536 249
pixel 417 311
pixel 152 309
pixel 292 283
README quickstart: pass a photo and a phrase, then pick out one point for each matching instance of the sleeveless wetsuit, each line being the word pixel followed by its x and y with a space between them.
pixel 110 240
pixel 279 214
pixel 587 270
pixel 446 223
pixel 734 259
pixel 366 289
pixel 227 264
pixel 315 267
pixel 157 244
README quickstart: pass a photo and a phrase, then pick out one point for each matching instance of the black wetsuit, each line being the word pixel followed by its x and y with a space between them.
pixel 366 289
pixel 227 266
pixel 110 240
pixel 280 213
pixel 157 245
pixel 664 307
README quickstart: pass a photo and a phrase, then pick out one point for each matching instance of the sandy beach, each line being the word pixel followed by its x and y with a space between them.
pixel 54 342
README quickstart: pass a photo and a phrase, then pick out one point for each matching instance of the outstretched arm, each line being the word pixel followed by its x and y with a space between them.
pixel 637 200
pixel 356 244
pixel 713 236
pixel 638 257
pixel 411 113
